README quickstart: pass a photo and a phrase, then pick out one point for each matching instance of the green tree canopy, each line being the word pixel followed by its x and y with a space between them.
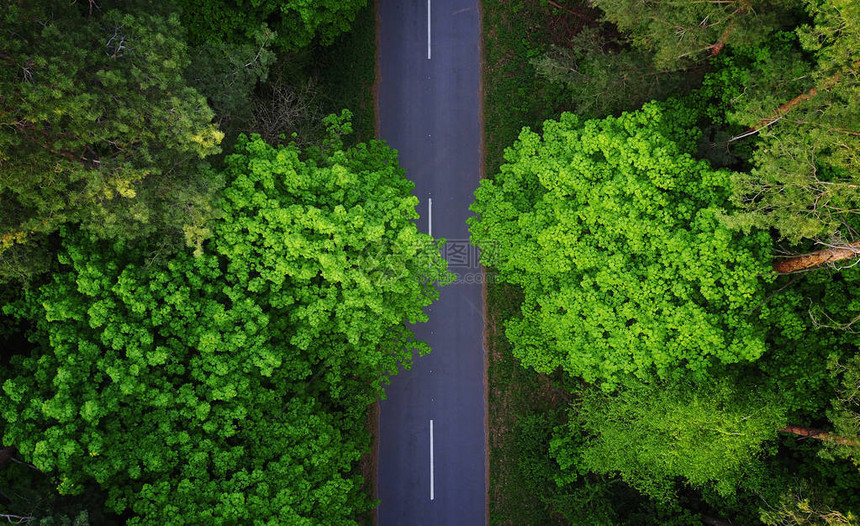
pixel 845 411
pixel 98 127
pixel 613 232
pixel 227 74
pixel 654 435
pixel 297 22
pixel 799 97
pixel 679 32
pixel 231 387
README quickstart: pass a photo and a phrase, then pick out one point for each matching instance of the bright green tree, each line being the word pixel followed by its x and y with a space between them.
pixel 98 127
pixel 614 233
pixel 231 387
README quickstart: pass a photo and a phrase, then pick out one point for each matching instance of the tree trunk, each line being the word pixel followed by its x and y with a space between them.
pixel 821 435
pixel 788 106
pixel 721 43
pixel 785 108
pixel 716 47
pixel 19 519
pixel 817 258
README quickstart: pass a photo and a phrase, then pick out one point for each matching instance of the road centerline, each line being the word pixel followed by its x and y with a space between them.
pixel 432 482
pixel 430 216
pixel 428 29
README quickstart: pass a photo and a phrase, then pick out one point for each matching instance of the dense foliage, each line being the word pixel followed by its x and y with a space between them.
pixel 227 75
pixel 205 338
pixel 100 129
pixel 613 232
pixel 297 22
pixel 807 113
pixel 678 32
pixel 757 130
pixel 206 332
pixel 603 77
pixel 710 435
pixel 231 386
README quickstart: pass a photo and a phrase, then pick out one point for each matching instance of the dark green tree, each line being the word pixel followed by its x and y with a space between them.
pixel 28 496
pixel 804 115
pixel 604 77
pixel 227 74
pixel 844 441
pixel 679 32
pixel 98 128
pixel 297 22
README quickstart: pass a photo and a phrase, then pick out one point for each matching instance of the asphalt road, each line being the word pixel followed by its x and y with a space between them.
pixel 429 110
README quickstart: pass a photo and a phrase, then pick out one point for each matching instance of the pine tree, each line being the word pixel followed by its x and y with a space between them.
pixel 99 128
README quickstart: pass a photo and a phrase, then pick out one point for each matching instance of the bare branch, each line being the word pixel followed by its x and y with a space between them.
pixel 558 6
pixel 17 519
pixel 31 466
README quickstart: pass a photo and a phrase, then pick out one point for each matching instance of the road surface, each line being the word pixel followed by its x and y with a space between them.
pixel 429 110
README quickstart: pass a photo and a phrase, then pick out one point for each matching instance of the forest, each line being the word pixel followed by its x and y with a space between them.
pixel 671 213
pixel 209 264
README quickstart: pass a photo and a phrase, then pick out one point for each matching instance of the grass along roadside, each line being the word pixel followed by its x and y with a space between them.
pixel 515 394
pixel 515 31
